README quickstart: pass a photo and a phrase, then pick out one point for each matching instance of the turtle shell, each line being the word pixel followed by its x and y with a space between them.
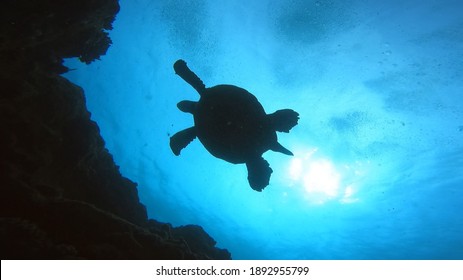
pixel 232 124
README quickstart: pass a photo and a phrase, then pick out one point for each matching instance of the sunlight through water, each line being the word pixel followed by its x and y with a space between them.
pixel 321 179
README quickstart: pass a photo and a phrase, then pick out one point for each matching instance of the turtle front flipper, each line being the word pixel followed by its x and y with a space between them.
pixel 189 76
pixel 181 139
pixel 283 120
pixel 187 106
pixel 259 172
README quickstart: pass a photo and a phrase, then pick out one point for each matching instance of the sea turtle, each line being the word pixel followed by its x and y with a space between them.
pixel 233 126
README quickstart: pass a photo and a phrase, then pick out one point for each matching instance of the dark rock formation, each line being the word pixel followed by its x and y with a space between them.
pixel 62 196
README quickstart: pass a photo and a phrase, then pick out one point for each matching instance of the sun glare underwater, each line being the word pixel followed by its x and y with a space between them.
pixel 378 152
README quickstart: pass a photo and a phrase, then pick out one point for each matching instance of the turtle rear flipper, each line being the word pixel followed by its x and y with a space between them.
pixel 181 139
pixel 259 172
pixel 283 120
pixel 189 76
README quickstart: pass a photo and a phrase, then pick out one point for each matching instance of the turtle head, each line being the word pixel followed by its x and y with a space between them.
pixel 189 76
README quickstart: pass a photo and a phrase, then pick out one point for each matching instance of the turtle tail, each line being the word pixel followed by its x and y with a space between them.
pixel 189 76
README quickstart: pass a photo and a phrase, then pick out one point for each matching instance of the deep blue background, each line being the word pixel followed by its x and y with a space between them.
pixel 377 171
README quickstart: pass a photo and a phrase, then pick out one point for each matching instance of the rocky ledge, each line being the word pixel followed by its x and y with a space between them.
pixel 62 195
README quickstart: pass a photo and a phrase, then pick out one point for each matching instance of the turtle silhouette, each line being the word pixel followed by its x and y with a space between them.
pixel 232 125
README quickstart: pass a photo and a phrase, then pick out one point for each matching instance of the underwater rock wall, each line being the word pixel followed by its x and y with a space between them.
pixel 62 196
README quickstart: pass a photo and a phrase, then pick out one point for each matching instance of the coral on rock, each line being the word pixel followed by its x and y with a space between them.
pixel 62 196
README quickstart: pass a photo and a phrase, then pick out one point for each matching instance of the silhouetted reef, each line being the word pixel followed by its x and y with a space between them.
pixel 62 196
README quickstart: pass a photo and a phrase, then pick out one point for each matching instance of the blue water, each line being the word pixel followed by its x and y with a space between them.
pixel 378 165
